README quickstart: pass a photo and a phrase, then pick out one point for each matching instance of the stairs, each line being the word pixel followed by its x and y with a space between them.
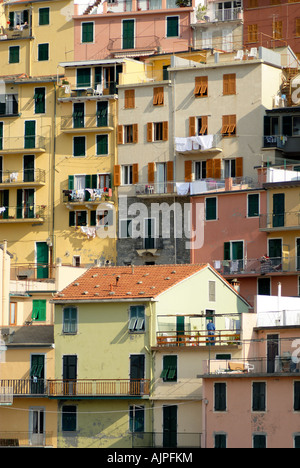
pixel 286 87
pixel 91 7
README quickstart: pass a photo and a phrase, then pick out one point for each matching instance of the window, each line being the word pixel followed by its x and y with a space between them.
pixel 137 319
pixel 127 134
pixel 102 145
pixel 234 253
pixel 157 131
pixel 200 170
pixel 158 96
pixel 77 218
pixel 228 125
pixel 229 84
pixel 136 418
pixel 264 286
pixel 220 441
pixel 212 291
pixel 29 137
pixel 125 228
pixel 201 86
pixel 172 26
pixel 105 218
pixel 129 99
pixel 1 139
pixel 297 27
pixel 169 373
pixel 87 32
pixel 149 233
pixel 78 115
pixel 296 441
pixel 230 169
pixel 258 396
pixel 39 100
pixel 259 441
pixel 297 396
pixel 211 209
pixel 253 205
pixel 13 313
pixel 128 27
pixel 220 397
pixel 69 418
pixel 252 33
pixel 44 16
pixel 127 175
pixel 70 319
pixel 43 52
pixel 14 54
pixel 39 310
pixel 277 29
pixel 83 77
pixel 79 146
pixel 102 114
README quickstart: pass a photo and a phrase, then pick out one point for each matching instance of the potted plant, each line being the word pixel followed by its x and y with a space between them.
pixel 183 3
pixel 201 12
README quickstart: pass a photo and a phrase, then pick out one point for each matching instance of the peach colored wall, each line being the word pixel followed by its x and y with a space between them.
pixel 279 422
pixel 232 224
pixel 150 32
pixel 289 286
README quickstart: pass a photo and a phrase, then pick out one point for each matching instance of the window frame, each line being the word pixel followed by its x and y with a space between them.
pixel 216 209
pixel 134 421
pixel 103 146
pixel 67 324
pixel 42 12
pixel 36 310
pixel 87 33
pixel 36 103
pixel 249 215
pixel 137 313
pixel 259 397
pixel 40 53
pixel 201 86
pixel 74 415
pixel 14 54
pixel 171 369
pixel 220 406
pixel 76 146
pixel 168 18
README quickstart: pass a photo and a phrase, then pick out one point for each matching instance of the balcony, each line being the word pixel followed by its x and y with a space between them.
pixel 32 272
pixel 22 145
pixel 166 440
pixel 31 177
pixel 248 367
pixel 288 144
pixel 25 387
pixel 72 92
pixel 200 144
pixel 98 388
pixel 87 197
pixel 87 123
pixel 198 338
pixel 279 222
pixel 228 14
pixel 257 266
pixel 23 214
pixel 26 439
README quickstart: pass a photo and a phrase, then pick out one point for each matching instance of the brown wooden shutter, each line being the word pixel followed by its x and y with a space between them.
pixel 209 169
pixel 129 99
pixel 151 173
pixel 117 175
pixel 158 96
pixel 120 140
pixel 192 126
pixel 135 173
pixel 239 167
pixel 217 168
pixel 204 125
pixel 226 84
pixel 165 131
pixel 170 171
pixel 225 124
pixel 135 133
pixel 149 131
pixel 188 171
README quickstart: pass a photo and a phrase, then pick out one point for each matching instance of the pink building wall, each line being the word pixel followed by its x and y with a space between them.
pixel 150 32
pixel 239 422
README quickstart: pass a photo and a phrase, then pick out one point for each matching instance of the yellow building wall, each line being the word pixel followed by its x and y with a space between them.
pixel 22 234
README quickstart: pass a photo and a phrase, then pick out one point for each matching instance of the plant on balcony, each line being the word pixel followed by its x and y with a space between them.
pixel 183 3
pixel 201 12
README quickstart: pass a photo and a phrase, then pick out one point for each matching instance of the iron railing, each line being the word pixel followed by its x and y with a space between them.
pixel 166 440
pixel 283 364
pixel 23 212
pixel 26 439
pixel 26 176
pixel 198 338
pixel 94 388
pixel 86 121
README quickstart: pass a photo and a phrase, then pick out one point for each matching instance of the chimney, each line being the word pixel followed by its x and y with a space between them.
pixel 279 289
pixel 236 285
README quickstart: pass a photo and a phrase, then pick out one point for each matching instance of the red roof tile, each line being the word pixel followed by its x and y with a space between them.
pixel 126 282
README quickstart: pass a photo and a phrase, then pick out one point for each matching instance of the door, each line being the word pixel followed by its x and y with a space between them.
pixel 275 254
pixel 137 373
pixel 170 426
pixel 69 374
pixel 272 352
pixel 278 209
pixel 42 260
pixel 149 236
pixel 28 167
pixel 29 138
pixel 37 374
pixel 37 426
pixel 180 327
pixel 102 113
pixel 78 115
pixel 237 254
pixel 128 34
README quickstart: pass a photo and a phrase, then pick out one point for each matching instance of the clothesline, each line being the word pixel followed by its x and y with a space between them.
pixel 197 187
pixel 202 142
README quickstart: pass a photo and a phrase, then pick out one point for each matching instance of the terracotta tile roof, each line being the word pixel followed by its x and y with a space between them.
pixel 127 282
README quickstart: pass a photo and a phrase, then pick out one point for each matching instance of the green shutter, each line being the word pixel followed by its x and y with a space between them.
pixel 72 218
pixel 39 310
pixel 43 52
pixel 253 205
pixel 169 368
pixel 14 54
pixel 94 181
pixel 102 114
pixel 11 20
pixel 29 134
pixel 71 182
pixel 39 98
pixel 19 203
pixel 128 34
pixel 87 32
pixel 79 146
pixel 102 144
pixel 172 26
pixel 98 75
pixel 83 77
pixel 6 203
pixel 211 209
pixel 1 135
pixel 44 16
pixel 93 218
pixel 226 250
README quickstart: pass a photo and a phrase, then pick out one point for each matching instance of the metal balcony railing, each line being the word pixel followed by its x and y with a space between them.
pixel 11 144
pixel 257 266
pixel 17 177
pixel 166 440
pixel 198 338
pixel 32 271
pixel 26 387
pixel 81 120
pixel 288 219
pixel 283 364
pixel 98 388
pixel 23 212
pixel 26 439
pixel 228 14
